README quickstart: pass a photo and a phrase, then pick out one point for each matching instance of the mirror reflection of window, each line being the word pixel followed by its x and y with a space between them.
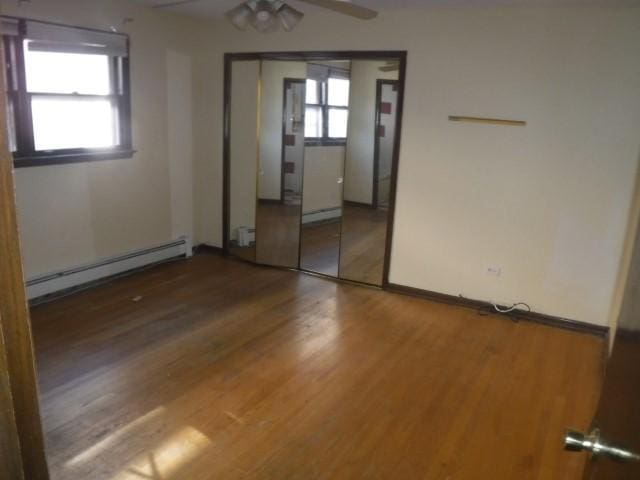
pixel 338 90
pixel 328 99
pixel 312 93
pixel 313 122
pixel 338 122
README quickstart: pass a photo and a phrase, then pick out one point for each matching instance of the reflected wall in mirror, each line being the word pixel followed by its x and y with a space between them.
pixel 243 145
pixel 280 162
pixel 368 169
pixel 326 117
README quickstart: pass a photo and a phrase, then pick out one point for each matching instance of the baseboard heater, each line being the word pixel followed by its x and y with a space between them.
pixel 52 282
pixel 325 214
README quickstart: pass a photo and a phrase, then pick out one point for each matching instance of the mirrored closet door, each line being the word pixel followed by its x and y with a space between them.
pixel 242 113
pixel 327 113
pixel 280 162
pixel 369 154
pixel 310 154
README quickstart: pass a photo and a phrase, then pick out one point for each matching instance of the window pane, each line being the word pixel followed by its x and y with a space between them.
pixel 313 122
pixel 312 91
pixel 54 72
pixel 73 123
pixel 338 92
pixel 338 122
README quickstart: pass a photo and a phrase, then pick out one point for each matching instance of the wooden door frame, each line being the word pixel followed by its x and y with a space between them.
pixel 376 137
pixel 301 56
pixel 22 449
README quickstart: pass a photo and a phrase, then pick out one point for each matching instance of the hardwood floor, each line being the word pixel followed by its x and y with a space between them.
pixel 277 234
pixel 216 369
pixel 320 247
pixel 364 237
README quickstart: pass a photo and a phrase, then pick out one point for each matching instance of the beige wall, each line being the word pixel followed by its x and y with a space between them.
pixel 243 145
pixel 323 166
pixel 72 214
pixel 547 203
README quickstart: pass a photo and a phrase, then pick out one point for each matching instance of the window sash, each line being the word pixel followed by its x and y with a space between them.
pixel 111 100
pixel 78 83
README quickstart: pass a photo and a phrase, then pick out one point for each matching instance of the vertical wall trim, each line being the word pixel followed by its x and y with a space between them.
pixel 19 367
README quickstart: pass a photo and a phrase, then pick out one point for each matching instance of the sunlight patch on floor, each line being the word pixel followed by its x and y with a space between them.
pixel 166 460
pixel 114 438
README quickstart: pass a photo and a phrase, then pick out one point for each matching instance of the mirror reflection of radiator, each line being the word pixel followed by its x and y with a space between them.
pixel 246 236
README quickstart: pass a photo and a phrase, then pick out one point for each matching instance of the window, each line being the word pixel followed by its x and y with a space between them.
pixel 67 93
pixel 327 111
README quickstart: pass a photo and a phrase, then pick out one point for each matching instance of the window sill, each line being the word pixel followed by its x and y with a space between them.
pixel 43 159
pixel 325 143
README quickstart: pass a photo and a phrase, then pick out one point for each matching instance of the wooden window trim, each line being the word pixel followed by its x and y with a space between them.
pixel 25 154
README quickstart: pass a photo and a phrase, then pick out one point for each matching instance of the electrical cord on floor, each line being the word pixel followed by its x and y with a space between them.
pixel 501 309
pixel 510 311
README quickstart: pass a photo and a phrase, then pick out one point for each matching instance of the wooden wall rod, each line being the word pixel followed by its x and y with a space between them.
pixel 491 121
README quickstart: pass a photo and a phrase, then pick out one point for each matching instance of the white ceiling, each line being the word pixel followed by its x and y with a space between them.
pixel 215 8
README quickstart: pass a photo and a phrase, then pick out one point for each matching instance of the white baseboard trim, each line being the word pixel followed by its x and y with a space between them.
pixel 321 215
pixel 48 283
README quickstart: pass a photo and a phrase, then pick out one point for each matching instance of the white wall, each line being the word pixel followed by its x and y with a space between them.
pixel 547 203
pixel 72 214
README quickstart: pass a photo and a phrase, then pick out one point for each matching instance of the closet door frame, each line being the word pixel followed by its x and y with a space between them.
pixel 399 55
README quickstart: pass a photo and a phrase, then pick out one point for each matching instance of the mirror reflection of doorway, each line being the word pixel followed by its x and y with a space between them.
pixel 293 141
pixel 281 159
pixel 386 106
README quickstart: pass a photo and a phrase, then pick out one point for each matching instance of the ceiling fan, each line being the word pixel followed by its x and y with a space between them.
pixel 267 15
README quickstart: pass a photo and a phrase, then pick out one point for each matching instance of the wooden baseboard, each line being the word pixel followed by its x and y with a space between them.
pixel 550 320
pixel 204 249
pixel 358 204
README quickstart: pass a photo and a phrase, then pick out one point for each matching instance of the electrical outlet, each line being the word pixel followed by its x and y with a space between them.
pixel 494 271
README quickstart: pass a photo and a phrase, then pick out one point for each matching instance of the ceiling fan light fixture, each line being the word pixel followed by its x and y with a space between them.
pixel 240 16
pixel 289 17
pixel 264 17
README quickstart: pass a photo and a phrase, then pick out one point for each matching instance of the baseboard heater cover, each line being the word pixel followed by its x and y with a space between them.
pixel 53 282
pixel 322 215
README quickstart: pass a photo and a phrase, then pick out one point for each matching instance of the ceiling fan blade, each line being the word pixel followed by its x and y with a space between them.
pixel 175 3
pixel 389 68
pixel 345 8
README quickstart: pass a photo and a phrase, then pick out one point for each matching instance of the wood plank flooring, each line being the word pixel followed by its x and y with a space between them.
pixel 364 239
pixel 215 369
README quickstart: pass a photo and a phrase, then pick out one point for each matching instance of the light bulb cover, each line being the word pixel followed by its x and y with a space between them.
pixel 289 17
pixel 240 16
pixel 264 17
